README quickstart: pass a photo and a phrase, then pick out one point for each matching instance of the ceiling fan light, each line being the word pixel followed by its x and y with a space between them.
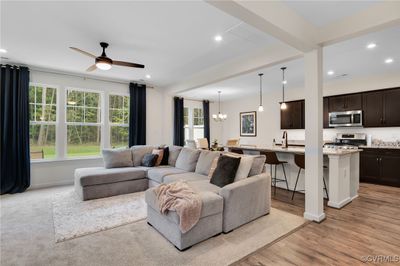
pixel 103 65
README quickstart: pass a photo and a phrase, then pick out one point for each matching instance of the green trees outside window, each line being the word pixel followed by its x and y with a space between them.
pixel 119 120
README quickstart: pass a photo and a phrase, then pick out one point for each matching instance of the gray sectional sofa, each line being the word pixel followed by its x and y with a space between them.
pixel 223 209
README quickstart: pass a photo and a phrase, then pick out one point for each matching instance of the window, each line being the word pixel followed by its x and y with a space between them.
pixel 83 115
pixel 43 118
pixel 119 120
pixel 193 122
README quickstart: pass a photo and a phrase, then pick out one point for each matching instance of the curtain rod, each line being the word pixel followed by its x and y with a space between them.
pixel 82 76
pixel 194 100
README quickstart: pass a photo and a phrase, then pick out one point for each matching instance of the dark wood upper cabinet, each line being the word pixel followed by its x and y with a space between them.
pixel 373 109
pixel 325 108
pixel 391 108
pixel 342 103
pixel 293 116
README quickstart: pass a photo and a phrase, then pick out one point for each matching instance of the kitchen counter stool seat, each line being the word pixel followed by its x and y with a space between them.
pixel 273 160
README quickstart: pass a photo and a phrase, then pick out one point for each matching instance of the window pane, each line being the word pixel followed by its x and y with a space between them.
pixel 119 136
pixel 198 133
pixel 74 98
pixel 92 115
pixel 75 114
pixel 83 140
pixel 42 140
pixel 187 136
pixel 119 109
pixel 31 94
pixel 92 99
pixel 186 116
pixel 51 96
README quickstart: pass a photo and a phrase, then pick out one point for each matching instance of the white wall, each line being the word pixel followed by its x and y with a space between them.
pixel 268 122
pixel 61 172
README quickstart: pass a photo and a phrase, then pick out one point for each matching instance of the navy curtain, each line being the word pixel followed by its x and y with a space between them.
pixel 206 113
pixel 137 114
pixel 14 131
pixel 179 132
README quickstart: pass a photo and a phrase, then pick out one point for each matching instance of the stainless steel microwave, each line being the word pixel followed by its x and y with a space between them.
pixel 346 119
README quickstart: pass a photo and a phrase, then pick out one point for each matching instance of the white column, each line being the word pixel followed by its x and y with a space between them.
pixel 314 207
pixel 339 180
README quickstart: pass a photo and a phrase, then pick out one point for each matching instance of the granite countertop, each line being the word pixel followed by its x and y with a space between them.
pixel 379 147
pixel 297 149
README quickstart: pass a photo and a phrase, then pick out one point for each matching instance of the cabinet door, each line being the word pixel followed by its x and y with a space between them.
pixel 391 108
pixel 293 116
pixel 373 109
pixel 353 102
pixel 390 174
pixel 325 109
pixel 286 118
pixel 337 104
pixel 369 167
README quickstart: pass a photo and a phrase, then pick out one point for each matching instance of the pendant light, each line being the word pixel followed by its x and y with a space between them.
pixel 260 108
pixel 219 117
pixel 283 104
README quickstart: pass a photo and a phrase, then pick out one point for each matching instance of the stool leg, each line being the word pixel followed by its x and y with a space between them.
pixel 275 181
pixel 284 174
pixel 295 186
pixel 326 188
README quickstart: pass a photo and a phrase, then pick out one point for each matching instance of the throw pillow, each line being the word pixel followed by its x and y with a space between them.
pixel 165 157
pixel 205 160
pixel 225 172
pixel 258 165
pixel 187 159
pixel 213 167
pixel 149 160
pixel 244 168
pixel 160 153
pixel 138 152
pixel 174 152
pixel 117 158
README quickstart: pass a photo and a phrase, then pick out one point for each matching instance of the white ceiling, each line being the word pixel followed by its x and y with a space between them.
pixel 173 39
pixel 350 57
pixel 322 13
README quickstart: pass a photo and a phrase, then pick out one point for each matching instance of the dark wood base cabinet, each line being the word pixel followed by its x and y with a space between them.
pixel 380 166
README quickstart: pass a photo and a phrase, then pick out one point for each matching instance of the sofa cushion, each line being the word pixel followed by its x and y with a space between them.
pixel 204 162
pixel 100 175
pixel 189 176
pixel 226 170
pixel 174 152
pixel 187 159
pixel 117 158
pixel 158 173
pixel 212 203
pixel 204 185
pixel 138 153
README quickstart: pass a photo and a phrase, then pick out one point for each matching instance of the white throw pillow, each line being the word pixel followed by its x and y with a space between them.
pixel 244 168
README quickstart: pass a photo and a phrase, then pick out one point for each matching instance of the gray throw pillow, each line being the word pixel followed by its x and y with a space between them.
pixel 149 160
pixel 117 158
pixel 205 160
pixel 258 165
pixel 138 153
pixel 173 154
pixel 187 159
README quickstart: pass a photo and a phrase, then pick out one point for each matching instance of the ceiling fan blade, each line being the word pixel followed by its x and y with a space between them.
pixel 83 52
pixel 91 68
pixel 127 64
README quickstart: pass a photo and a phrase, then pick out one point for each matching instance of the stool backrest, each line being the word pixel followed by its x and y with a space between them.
pixel 236 150
pixel 271 157
pixel 299 160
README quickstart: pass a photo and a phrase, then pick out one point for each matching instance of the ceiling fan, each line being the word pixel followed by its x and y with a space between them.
pixel 103 62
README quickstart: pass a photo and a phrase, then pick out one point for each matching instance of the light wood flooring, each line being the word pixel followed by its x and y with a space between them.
pixel 370 225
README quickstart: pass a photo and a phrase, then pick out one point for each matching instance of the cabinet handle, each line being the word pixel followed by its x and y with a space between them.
pixel 377 159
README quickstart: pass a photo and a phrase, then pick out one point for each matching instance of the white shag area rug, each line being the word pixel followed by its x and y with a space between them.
pixel 74 217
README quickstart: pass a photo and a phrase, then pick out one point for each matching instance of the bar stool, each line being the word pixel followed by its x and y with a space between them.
pixel 299 161
pixel 273 160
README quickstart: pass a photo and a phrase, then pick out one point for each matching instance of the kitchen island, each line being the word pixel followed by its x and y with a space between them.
pixel 342 172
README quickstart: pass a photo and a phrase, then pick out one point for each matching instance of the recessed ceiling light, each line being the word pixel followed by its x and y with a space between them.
pixel 389 60
pixel 330 72
pixel 148 76
pixel 3 50
pixel 218 38
pixel 371 45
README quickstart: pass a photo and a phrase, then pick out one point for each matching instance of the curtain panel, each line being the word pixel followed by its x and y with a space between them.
pixel 137 114
pixel 206 113
pixel 14 129
pixel 179 132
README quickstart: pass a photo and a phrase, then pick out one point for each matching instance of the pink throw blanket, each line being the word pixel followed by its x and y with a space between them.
pixel 179 197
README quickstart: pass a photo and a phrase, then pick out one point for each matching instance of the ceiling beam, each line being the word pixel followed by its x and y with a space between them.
pixel 262 58
pixel 374 18
pixel 273 18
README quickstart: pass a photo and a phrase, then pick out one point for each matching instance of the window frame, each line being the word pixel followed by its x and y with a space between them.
pixel 51 123
pixel 191 127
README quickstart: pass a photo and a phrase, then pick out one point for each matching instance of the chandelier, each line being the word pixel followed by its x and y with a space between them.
pixel 219 117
